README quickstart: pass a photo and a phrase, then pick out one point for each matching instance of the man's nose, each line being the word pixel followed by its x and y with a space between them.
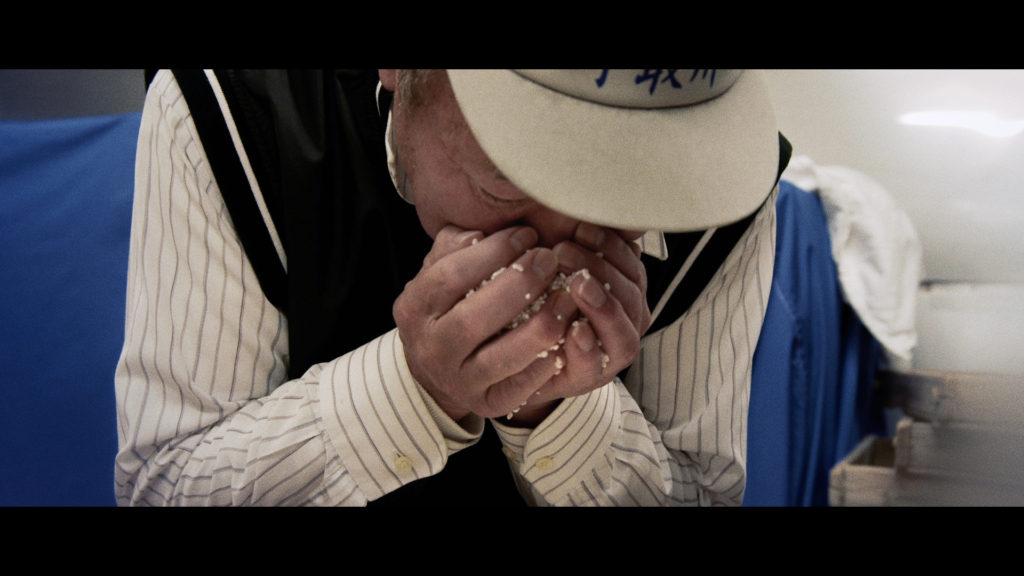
pixel 552 227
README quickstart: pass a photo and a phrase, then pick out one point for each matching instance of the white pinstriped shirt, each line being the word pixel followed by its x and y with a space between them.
pixel 206 416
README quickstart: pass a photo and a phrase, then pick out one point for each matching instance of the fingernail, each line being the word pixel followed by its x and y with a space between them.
pixel 544 263
pixel 523 238
pixel 569 256
pixel 592 292
pixel 586 344
pixel 468 237
pixel 590 234
pixel 564 306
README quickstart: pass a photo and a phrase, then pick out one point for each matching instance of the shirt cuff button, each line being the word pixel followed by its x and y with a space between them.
pixel 402 463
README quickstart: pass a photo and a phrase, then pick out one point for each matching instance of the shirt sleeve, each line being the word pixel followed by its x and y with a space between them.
pixel 206 415
pixel 674 432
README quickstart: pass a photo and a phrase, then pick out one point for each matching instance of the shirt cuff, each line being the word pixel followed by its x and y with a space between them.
pixel 572 442
pixel 387 430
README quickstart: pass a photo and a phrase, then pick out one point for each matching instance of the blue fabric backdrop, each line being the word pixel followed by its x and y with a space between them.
pixel 811 398
pixel 65 214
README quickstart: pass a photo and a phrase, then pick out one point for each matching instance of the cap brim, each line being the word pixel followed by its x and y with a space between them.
pixel 674 169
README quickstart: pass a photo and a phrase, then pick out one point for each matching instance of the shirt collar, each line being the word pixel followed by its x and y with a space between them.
pixel 653 244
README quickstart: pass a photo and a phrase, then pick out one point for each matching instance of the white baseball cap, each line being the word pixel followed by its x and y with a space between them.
pixel 670 150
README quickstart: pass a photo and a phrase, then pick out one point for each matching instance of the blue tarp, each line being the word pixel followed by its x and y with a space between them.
pixel 65 215
pixel 811 398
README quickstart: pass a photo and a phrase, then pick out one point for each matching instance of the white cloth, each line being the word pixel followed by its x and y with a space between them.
pixel 876 250
pixel 206 415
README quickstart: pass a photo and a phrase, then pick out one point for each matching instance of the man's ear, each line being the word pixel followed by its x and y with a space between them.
pixel 388 79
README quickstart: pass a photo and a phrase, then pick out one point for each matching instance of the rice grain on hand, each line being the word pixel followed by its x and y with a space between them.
pixel 562 281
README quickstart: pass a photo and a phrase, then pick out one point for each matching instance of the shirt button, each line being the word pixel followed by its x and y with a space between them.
pixel 402 463
pixel 546 463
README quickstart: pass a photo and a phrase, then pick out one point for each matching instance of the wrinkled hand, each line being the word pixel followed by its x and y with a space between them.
pixel 457 346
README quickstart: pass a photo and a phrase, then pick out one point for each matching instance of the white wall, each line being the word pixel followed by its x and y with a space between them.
pixel 960 188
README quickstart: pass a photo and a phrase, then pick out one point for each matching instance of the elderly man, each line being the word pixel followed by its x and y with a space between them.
pixel 463 287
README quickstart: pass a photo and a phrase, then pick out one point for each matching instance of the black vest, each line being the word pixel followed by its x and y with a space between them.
pixel 315 140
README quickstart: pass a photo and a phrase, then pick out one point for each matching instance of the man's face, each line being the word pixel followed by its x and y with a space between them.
pixel 452 180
